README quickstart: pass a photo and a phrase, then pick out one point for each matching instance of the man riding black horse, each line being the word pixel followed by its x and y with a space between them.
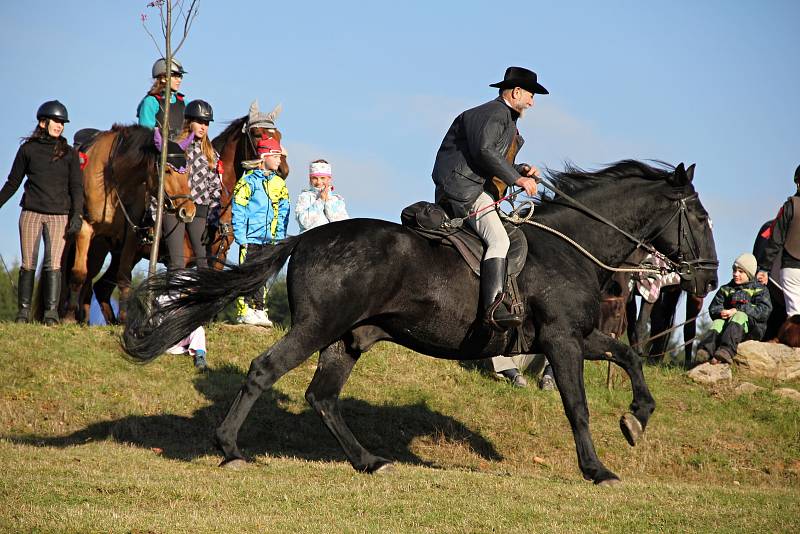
pixel 479 146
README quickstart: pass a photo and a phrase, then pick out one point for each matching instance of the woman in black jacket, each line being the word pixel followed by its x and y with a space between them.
pixel 51 205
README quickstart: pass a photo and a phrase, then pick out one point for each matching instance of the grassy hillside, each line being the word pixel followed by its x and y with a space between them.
pixel 92 442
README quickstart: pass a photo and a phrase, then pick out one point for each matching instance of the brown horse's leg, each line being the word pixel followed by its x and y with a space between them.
pixel 127 260
pixel 265 370
pixel 333 369
pixel 104 288
pixel 83 241
pixel 94 262
pixel 661 319
pixel 641 325
pixel 693 306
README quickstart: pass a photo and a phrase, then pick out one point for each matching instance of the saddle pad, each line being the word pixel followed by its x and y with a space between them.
pixel 470 246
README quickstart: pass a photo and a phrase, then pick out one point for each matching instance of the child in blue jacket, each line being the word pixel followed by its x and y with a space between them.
pixel 260 218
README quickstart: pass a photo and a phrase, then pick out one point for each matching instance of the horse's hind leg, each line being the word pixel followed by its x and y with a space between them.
pixel 598 346
pixel 265 370
pixel 333 370
pixel 564 355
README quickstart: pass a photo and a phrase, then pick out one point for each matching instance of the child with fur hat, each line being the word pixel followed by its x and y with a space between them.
pixel 740 310
pixel 260 215
pixel 318 204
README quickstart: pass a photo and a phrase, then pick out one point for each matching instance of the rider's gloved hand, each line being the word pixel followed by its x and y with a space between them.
pixel 74 225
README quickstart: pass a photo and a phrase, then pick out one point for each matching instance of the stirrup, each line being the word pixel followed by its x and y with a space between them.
pixel 501 324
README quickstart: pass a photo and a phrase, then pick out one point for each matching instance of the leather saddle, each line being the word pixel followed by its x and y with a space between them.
pixel 432 222
pixel 84 138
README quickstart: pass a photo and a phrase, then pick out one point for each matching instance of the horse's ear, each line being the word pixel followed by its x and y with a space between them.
pixel 273 115
pixel 678 178
pixel 690 173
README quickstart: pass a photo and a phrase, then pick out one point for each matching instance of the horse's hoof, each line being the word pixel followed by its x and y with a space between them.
pixel 631 428
pixel 607 483
pixel 383 469
pixel 235 464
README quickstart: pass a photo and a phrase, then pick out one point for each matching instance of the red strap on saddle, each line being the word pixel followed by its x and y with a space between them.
pixel 220 167
pixel 83 158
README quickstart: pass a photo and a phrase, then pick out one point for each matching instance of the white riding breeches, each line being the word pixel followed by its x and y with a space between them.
pixel 790 283
pixel 490 228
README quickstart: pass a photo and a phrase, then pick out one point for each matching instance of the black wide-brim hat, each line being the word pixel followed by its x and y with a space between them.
pixel 521 77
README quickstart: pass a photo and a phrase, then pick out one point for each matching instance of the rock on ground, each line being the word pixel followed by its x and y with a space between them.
pixel 709 374
pixel 746 388
pixel 770 360
pixel 788 393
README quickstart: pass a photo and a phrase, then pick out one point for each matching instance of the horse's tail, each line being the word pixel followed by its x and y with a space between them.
pixel 168 306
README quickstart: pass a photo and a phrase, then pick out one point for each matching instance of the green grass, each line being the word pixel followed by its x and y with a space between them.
pixel 90 442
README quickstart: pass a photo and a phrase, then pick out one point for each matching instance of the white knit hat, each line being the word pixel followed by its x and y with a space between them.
pixel 747 262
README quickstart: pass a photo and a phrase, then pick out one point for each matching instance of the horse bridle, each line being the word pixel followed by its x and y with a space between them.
pixel 686 268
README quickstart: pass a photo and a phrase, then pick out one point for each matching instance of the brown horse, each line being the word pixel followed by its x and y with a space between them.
pixel 235 144
pixel 119 179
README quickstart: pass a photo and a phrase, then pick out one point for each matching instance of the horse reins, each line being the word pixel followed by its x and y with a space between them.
pixel 685 268
pixel 169 200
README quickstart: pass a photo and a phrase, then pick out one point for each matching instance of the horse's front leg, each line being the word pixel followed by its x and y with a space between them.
pixel 641 326
pixel 83 241
pixel 693 306
pixel 104 288
pixel 565 354
pixel 598 346
pixel 125 271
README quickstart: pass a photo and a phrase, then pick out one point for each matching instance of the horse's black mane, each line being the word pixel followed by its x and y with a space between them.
pixel 135 146
pixel 234 128
pixel 574 179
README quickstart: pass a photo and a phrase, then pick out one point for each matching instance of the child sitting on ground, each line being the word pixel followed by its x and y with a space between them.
pixel 740 310
pixel 260 215
pixel 318 204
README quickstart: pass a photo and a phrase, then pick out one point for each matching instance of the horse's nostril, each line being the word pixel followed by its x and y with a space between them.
pixel 184 216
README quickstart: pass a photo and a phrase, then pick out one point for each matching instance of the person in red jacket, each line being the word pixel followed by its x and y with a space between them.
pixel 52 205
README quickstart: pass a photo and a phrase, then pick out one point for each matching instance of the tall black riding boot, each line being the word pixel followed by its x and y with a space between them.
pixel 52 290
pixel 493 278
pixel 24 294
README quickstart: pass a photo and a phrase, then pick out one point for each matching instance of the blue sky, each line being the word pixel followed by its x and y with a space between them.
pixel 373 87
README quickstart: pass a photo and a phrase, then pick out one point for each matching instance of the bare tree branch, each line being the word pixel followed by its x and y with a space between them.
pixel 152 37
pixel 189 17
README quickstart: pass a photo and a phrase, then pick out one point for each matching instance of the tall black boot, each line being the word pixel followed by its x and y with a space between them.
pixel 493 278
pixel 24 294
pixel 52 290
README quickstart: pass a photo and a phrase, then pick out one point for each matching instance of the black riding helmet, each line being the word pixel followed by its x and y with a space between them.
pixel 52 109
pixel 199 109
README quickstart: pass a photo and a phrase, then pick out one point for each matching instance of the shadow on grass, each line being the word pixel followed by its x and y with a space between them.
pixel 271 429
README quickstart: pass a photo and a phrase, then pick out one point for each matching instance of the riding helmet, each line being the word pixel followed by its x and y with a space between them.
pixel 199 109
pixel 160 67
pixel 52 109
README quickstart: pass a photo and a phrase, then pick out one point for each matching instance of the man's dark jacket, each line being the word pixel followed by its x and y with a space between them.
pixel 473 151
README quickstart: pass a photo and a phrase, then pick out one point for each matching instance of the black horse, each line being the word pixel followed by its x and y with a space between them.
pixel 356 282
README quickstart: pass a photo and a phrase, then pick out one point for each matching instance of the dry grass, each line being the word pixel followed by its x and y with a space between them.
pixel 91 442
